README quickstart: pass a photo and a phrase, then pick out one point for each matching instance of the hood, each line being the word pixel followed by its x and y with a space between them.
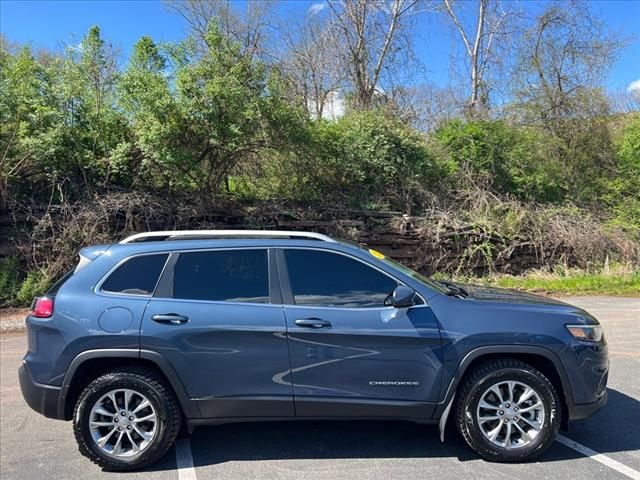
pixel 504 295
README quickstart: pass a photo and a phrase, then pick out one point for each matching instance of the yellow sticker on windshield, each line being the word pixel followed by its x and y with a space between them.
pixel 376 254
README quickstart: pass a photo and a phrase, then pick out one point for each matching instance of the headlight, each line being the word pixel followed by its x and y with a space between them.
pixel 586 333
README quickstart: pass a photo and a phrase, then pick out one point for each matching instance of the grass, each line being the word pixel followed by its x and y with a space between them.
pixel 567 282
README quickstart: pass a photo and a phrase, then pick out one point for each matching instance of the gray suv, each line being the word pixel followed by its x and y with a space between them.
pixel 171 330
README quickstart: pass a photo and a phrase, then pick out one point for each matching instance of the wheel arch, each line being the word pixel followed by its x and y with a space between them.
pixel 89 365
pixel 540 358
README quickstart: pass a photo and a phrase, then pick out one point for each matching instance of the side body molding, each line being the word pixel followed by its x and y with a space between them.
pixel 188 407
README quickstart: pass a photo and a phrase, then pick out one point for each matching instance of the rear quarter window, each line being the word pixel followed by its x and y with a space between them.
pixel 136 276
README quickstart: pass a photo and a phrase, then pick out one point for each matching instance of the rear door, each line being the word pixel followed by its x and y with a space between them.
pixel 221 326
pixel 350 354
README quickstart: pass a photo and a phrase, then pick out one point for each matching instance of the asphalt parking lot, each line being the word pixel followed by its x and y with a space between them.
pixel 33 447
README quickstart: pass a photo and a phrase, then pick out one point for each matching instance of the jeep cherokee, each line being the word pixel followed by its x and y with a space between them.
pixel 188 328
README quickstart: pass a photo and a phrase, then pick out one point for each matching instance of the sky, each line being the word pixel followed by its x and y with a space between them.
pixel 50 24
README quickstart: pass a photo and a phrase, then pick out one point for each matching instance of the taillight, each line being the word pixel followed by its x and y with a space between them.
pixel 42 307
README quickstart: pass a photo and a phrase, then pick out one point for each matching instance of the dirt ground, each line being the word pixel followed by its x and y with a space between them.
pixel 12 319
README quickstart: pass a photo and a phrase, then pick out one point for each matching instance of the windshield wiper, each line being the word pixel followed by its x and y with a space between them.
pixel 453 289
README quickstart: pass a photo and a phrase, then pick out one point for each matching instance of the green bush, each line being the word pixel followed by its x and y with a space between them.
pixel 364 159
pixel 505 156
pixel 9 280
pixel 17 290
pixel 622 195
pixel 367 159
pixel 35 284
pixel 483 146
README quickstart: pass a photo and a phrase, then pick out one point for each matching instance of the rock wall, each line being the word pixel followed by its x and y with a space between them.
pixel 427 244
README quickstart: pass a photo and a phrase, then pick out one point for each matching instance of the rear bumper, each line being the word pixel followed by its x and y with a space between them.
pixel 584 410
pixel 42 398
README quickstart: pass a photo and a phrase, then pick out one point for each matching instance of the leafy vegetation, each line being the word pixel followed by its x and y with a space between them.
pixel 10 280
pixel 206 116
pixel 622 190
pixel 220 118
pixel 570 283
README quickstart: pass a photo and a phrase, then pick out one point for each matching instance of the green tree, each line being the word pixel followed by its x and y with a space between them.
pixel 210 115
pixel 93 125
pixel 622 195
pixel 27 114
pixel 558 87
pixel 507 158
pixel 364 159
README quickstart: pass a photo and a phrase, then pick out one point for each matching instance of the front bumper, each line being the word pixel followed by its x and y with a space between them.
pixel 584 410
pixel 44 399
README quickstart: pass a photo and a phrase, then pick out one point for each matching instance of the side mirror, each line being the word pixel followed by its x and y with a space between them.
pixel 403 297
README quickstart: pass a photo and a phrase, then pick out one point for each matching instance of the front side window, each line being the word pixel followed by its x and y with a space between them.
pixel 332 280
pixel 136 276
pixel 223 276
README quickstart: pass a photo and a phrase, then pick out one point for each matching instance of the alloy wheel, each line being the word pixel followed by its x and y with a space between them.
pixel 510 414
pixel 123 423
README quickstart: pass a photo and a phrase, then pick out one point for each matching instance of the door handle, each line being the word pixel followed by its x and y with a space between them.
pixel 171 318
pixel 312 323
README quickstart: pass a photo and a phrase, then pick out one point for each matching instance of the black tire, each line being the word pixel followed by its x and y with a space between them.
pixel 483 377
pixel 154 387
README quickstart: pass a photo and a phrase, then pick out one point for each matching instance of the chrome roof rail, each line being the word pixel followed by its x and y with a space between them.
pixel 213 234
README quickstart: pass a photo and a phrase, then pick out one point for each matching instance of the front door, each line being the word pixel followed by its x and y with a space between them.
pixel 222 333
pixel 350 354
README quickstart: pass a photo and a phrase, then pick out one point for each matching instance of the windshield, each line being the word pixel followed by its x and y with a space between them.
pixel 406 270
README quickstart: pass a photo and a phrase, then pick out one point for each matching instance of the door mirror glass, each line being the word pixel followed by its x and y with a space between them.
pixel 403 297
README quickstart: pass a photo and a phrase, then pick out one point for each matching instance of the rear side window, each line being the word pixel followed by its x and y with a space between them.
pixel 333 280
pixel 136 276
pixel 223 276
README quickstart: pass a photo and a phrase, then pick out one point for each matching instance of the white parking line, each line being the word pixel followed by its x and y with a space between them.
pixel 184 460
pixel 186 470
pixel 599 457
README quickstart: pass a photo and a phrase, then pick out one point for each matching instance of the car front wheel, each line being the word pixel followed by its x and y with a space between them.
pixel 508 411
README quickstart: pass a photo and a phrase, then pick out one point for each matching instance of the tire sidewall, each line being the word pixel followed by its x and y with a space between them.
pixel 95 392
pixel 550 425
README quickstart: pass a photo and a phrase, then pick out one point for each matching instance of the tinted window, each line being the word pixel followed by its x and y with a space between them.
pixel 329 279
pixel 137 276
pixel 229 275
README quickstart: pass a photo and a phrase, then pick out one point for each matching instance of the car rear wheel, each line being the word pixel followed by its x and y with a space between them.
pixel 126 419
pixel 508 411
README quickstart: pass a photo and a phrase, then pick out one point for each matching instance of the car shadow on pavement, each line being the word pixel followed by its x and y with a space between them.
pixel 609 430
pixel 614 428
